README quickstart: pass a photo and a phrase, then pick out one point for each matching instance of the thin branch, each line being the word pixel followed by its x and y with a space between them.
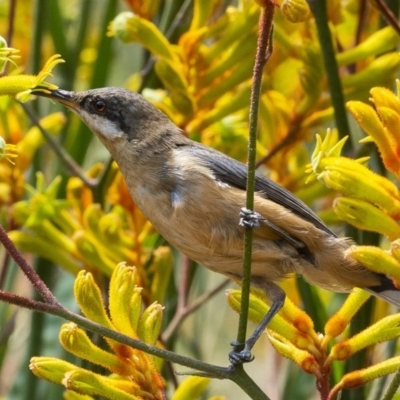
pixel 4 269
pixel 29 304
pixel 387 14
pixel 183 290
pixel 183 312
pixel 290 137
pixel 362 21
pixel 11 21
pixel 263 45
pixel 61 153
pixel 30 273
pixel 175 23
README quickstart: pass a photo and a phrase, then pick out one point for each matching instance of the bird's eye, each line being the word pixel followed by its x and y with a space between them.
pixel 100 106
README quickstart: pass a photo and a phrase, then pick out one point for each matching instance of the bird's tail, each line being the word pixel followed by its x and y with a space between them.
pixel 386 291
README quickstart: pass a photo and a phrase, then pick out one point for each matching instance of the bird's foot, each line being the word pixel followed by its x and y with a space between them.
pixel 237 356
pixel 249 218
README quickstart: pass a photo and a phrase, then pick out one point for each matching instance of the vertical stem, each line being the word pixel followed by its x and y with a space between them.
pixel 265 33
pixel 319 10
pixel 11 21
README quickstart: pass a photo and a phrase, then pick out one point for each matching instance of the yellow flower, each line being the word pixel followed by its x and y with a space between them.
pixel 23 86
pixel 7 151
pixel 7 54
pixel 133 373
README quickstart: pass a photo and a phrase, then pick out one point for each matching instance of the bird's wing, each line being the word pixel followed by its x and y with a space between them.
pixel 234 173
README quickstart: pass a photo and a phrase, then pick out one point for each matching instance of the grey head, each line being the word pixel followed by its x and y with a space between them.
pixel 116 114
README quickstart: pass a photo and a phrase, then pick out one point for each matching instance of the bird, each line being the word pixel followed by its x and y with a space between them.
pixel 194 196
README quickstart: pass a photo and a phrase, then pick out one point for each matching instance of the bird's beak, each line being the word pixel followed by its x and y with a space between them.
pixel 62 96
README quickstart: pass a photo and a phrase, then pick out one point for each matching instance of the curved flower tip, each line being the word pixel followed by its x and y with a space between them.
pixel 8 151
pixel 363 376
pixel 301 357
pixel 23 86
pixel 7 54
pixel 330 146
pixel 295 10
pixel 381 123
pixel 191 388
pixel 378 260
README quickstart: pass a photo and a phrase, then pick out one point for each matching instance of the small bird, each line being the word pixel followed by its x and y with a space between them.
pixel 194 196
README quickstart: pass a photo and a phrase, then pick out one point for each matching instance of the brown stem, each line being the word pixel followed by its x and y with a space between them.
pixel 30 304
pixel 362 20
pixel 184 312
pixel 387 14
pixel 290 137
pixel 30 273
pixel 323 385
pixel 4 269
pixel 11 20
pixel 61 153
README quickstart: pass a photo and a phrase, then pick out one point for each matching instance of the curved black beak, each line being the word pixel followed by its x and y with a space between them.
pixel 62 96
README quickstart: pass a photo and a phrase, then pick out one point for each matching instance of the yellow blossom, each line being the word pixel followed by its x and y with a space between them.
pixel 134 373
pixel 7 151
pixel 23 86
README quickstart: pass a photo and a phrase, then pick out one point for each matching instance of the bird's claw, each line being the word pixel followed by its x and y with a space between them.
pixel 237 356
pixel 249 218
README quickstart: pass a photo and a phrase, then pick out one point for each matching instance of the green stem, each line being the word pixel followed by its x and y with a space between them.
pixel 265 32
pixel 394 385
pixel 319 10
pixel 85 12
pixel 77 145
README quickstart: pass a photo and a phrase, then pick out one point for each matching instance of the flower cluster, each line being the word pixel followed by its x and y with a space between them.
pixel 13 131
pixel 211 64
pixel 368 201
pixel 85 236
pixel 133 374
pixel 292 334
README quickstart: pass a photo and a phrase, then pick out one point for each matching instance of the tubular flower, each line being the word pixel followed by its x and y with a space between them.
pixel 134 374
pixel 23 86
pixel 369 201
pixel 211 64
pixel 7 151
pixel 292 334
pixel 7 54
pixel 382 124
pixel 81 233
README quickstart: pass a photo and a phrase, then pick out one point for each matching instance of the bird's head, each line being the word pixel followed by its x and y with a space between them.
pixel 114 114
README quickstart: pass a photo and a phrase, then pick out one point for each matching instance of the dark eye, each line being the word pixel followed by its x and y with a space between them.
pixel 100 106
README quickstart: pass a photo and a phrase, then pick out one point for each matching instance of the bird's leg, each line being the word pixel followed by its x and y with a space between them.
pixel 253 219
pixel 249 218
pixel 277 297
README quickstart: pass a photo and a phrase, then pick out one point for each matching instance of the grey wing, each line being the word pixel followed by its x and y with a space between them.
pixel 234 173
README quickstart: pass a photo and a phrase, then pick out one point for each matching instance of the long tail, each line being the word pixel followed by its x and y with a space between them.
pixel 386 291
